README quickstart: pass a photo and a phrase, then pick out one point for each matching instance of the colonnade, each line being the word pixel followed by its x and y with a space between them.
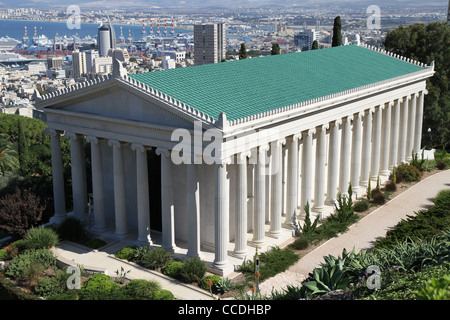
pixel 312 166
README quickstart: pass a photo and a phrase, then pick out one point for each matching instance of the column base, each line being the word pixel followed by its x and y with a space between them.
pixel 58 219
pixel 274 234
pixel 239 254
pixel 222 268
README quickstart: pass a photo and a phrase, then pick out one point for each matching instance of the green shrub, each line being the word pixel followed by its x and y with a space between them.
pixel 156 258
pixel 173 269
pixel 435 289
pixel 441 165
pixel 213 278
pixel 300 243
pixel 361 205
pixel 40 238
pixel 193 270
pixel 68 295
pixel 22 263
pixel 141 289
pixel 71 229
pixel 3 254
pixel 429 165
pixel 390 186
pixel 378 197
pixel 408 173
pixel 126 253
pixel 344 207
pixel 442 200
pixel 163 295
pixel 98 286
pixel 50 286
pixel 308 227
pixel 275 261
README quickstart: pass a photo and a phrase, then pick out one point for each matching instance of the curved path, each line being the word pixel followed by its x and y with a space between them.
pixel 361 235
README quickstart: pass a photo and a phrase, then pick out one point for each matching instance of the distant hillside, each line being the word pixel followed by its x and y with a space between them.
pixel 43 4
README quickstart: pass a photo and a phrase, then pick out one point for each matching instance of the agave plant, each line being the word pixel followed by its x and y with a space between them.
pixel 328 278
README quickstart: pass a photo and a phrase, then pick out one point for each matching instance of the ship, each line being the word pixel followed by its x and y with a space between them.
pixel 8 43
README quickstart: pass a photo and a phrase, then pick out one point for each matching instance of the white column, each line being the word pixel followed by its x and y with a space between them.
pixel 240 248
pixel 292 179
pixel 345 156
pixel 193 210
pixel 376 143
pixel 97 184
pixel 260 210
pixel 366 148
pixel 386 139
pixel 221 227
pixel 276 188
pixel 321 152
pixel 356 151
pixel 59 198
pixel 142 195
pixel 333 162
pixel 403 132
pixel 167 203
pixel 119 189
pixel 395 124
pixel 78 176
pixel 307 169
pixel 419 120
pixel 411 126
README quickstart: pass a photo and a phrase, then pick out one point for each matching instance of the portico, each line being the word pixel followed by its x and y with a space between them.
pixel 231 178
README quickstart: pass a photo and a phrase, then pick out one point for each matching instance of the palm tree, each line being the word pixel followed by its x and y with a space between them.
pixel 8 157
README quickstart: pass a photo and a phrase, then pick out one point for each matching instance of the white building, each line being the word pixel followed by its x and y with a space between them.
pixel 78 64
pixel 209 164
pixel 168 63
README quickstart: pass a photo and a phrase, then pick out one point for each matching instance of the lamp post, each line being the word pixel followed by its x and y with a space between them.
pixel 428 146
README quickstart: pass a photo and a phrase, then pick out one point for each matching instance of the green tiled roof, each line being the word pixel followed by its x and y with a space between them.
pixel 246 87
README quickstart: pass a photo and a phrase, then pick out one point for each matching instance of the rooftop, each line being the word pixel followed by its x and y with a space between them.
pixel 252 86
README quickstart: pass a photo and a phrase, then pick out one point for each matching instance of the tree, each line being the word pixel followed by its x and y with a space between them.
pixel 427 43
pixel 337 32
pixel 315 45
pixel 22 147
pixel 242 52
pixel 275 49
pixel 8 156
pixel 19 212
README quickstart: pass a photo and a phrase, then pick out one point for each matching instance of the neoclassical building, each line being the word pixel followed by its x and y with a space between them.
pixel 215 160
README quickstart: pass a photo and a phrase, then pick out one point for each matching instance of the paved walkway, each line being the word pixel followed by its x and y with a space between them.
pixel 361 235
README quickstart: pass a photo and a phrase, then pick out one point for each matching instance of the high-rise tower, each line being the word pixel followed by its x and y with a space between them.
pixel 209 43
pixel 106 38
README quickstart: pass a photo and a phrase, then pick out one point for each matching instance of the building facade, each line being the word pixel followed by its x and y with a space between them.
pixel 304 39
pixel 209 43
pixel 215 169
pixel 78 64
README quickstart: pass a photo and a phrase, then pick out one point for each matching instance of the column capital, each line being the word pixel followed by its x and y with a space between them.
pixel 338 122
pixel 139 147
pixel 309 132
pixel 115 143
pixel 359 115
pixel 92 139
pixel 72 135
pixel 53 132
pixel 281 142
pixel 324 127
pixel 425 91
pixel 242 156
pixel 162 152
pixel 297 136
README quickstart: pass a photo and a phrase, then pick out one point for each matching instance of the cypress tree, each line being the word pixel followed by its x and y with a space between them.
pixel 337 34
pixel 315 45
pixel 242 52
pixel 275 49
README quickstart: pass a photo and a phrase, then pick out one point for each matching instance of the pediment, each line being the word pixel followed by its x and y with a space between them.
pixel 116 100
